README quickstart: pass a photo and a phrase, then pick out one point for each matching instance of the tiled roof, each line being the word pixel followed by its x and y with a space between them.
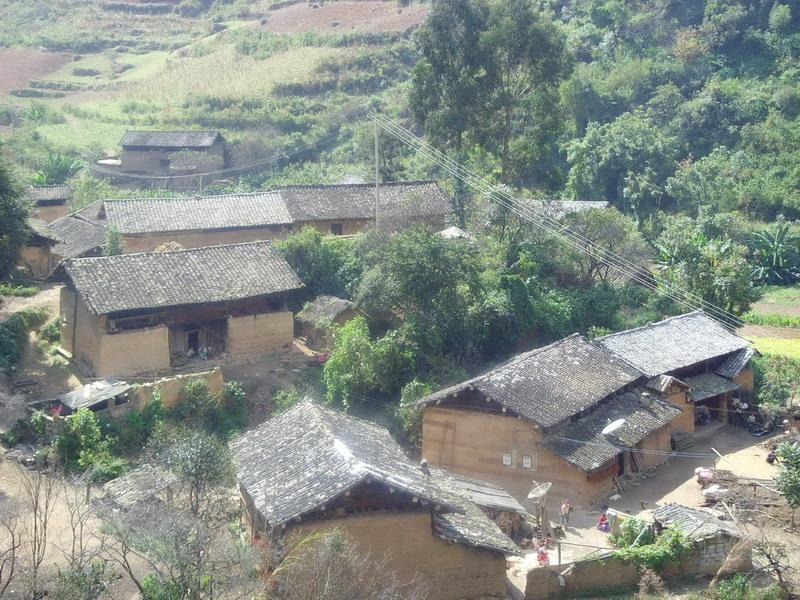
pixel 673 343
pixel 583 443
pixel 169 139
pixel 399 201
pixel 323 310
pixel 197 213
pixel 160 279
pixel 562 208
pixel 550 384
pixel 661 383
pixel 143 483
pixel 709 385
pixel 94 393
pixel 48 194
pixel 297 462
pixel 697 524
pixel 736 363
pixel 43 230
pixel 481 493
pixel 79 236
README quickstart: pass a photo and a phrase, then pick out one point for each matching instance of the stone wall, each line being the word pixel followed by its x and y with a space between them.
pixel 170 387
pixel 453 571
pixel 258 334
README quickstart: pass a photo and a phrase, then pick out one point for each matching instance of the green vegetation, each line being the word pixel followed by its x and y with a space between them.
pixel 739 587
pixel 777 379
pixel 13 231
pixel 636 543
pixel 14 335
pixel 778 346
pixel 8 288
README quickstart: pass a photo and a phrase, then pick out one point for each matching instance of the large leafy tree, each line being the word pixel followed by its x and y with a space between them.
pixel 13 212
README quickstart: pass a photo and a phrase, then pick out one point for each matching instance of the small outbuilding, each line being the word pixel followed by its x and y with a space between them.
pixel 149 312
pixel 50 202
pixel 157 152
pixel 313 469
pixel 37 254
pixel 319 316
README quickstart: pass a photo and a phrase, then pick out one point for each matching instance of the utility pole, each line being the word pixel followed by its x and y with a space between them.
pixel 377 175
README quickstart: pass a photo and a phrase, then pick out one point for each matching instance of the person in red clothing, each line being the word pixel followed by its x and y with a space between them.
pixel 603 524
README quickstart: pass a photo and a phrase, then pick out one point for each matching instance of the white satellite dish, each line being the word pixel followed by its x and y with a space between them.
pixel 613 426
pixel 540 490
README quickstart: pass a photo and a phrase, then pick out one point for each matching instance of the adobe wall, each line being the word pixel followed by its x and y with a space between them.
pixel 80 331
pixel 746 379
pixel 452 571
pixel 38 259
pixel 658 440
pixel 685 421
pixel 349 226
pixel 170 388
pixel 50 213
pixel 199 239
pixel 133 352
pixel 473 443
pixel 256 334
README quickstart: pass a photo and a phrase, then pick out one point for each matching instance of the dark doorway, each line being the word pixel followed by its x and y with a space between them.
pixel 193 340
pixel 621 463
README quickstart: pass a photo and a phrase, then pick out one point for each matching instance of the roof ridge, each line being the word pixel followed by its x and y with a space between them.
pixel 195 197
pixel 173 130
pixel 267 243
pixel 362 184
pixel 699 311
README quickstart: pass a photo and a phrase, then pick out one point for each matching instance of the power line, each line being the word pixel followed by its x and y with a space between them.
pixel 551 225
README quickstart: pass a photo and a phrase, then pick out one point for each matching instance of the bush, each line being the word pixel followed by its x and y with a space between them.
pixel 409 412
pixel 14 335
pixel 222 415
pixel 81 445
pixel 51 331
pixel 283 400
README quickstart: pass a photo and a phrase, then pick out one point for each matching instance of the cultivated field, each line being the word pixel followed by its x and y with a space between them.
pixel 18 65
pixel 342 17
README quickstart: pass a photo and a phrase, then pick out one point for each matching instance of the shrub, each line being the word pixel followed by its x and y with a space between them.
pixel 409 412
pixel 81 445
pixel 283 400
pixel 13 335
pixel 221 415
pixel 51 331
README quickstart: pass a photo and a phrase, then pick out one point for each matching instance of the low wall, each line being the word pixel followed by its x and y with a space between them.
pixel 37 259
pixel 608 574
pixel 258 334
pixel 170 387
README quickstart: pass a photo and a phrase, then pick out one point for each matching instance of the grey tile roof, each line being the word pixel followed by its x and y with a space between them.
pixel 583 443
pixel 661 383
pixel 161 279
pixel 295 463
pixel 696 523
pixel 229 211
pixel 43 230
pixel 673 343
pixel 49 194
pixel 550 384
pixel 79 236
pixel 398 201
pixel 562 208
pixel 169 139
pixel 142 483
pixel 93 393
pixel 709 385
pixel 481 493
pixel 323 310
pixel 736 363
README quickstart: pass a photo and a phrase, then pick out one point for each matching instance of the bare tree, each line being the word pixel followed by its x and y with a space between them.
pixel 774 556
pixel 328 566
pixel 84 546
pixel 38 491
pixel 10 544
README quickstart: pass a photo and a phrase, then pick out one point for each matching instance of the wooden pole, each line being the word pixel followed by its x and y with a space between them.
pixel 377 174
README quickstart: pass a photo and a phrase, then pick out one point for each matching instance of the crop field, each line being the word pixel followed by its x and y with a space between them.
pixel 18 65
pixel 343 17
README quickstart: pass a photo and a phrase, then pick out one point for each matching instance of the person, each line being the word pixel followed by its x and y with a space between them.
pixel 603 524
pixel 751 422
pixel 566 508
pixel 542 556
pixel 772 457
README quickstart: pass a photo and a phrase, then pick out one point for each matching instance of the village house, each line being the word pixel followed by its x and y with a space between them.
pixel 154 152
pixel 541 415
pixel 148 312
pixel 342 209
pixel 319 316
pixel 313 468
pixel 50 202
pixel 695 350
pixel 578 413
pixel 36 256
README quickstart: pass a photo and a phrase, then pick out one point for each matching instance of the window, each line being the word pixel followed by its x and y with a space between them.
pixel 529 462
pixel 507 461
pixel 337 228
pixel 120 400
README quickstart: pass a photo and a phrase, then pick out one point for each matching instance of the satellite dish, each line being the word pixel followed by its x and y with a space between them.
pixel 540 490
pixel 613 426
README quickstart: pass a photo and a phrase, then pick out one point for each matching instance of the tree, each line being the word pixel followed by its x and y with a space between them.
pixel 788 479
pixel 200 460
pixel 776 254
pixel 11 541
pixel 606 230
pixel 112 246
pixel 330 567
pixel 56 168
pixel 13 213
pixel 38 492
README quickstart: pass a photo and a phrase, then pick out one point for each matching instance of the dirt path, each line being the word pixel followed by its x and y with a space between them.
pixel 48 297
pixel 767 331
pixel 343 17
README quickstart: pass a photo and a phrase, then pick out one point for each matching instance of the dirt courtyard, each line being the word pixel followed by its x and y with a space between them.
pixel 19 65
